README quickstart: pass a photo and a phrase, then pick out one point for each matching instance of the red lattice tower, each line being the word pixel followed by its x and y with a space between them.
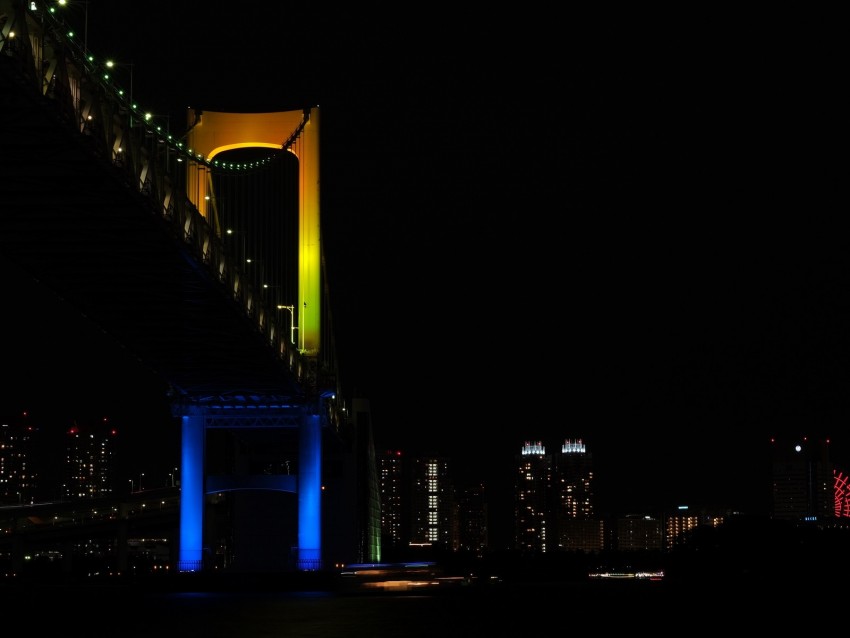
pixel 842 494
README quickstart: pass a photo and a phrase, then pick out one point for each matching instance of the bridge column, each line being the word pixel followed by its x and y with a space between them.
pixel 191 554
pixel 310 493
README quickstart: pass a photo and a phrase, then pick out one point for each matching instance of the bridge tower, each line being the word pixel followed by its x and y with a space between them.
pixel 58 102
pixel 209 134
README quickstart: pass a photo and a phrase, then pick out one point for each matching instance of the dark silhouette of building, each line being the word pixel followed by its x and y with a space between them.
pixel 19 476
pixel 472 515
pixel 803 480
pixel 392 473
pixel 367 518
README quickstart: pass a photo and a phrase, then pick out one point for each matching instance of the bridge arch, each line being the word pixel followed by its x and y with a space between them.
pixel 214 132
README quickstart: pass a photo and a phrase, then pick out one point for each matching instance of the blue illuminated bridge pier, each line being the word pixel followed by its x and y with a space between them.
pixel 202 255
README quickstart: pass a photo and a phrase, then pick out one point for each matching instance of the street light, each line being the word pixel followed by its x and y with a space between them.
pixel 267 288
pixel 230 232
pixel 150 116
pixel 292 326
pixel 140 481
pixel 110 64
pixel 256 270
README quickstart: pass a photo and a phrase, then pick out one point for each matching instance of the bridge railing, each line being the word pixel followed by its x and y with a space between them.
pixel 40 50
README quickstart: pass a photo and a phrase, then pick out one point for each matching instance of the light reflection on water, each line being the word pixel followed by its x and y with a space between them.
pixel 611 605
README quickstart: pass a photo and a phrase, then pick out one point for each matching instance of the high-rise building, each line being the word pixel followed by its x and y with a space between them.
pixel 90 457
pixel 533 533
pixel 573 487
pixel 554 500
pixel 423 511
pixel 472 520
pixel 433 520
pixel 392 480
pixel 18 474
pixel 803 481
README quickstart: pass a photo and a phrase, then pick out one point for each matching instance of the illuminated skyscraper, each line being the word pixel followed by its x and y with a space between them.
pixel 574 499
pixel 90 454
pixel 432 504
pixel 533 508
pixel 554 500
pixel 422 509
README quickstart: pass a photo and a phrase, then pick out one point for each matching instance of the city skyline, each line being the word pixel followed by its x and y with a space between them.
pixel 499 490
pixel 807 485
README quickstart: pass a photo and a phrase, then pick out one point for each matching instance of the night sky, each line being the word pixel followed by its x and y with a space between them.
pixel 538 230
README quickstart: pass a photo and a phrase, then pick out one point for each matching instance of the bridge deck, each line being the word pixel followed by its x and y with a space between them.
pixel 70 220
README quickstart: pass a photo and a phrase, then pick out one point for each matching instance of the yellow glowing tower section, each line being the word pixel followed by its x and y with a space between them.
pixel 213 132
pixel 309 248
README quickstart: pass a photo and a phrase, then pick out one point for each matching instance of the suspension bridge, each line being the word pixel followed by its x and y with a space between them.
pixel 201 254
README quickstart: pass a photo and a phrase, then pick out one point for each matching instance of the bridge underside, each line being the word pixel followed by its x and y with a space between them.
pixel 69 219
